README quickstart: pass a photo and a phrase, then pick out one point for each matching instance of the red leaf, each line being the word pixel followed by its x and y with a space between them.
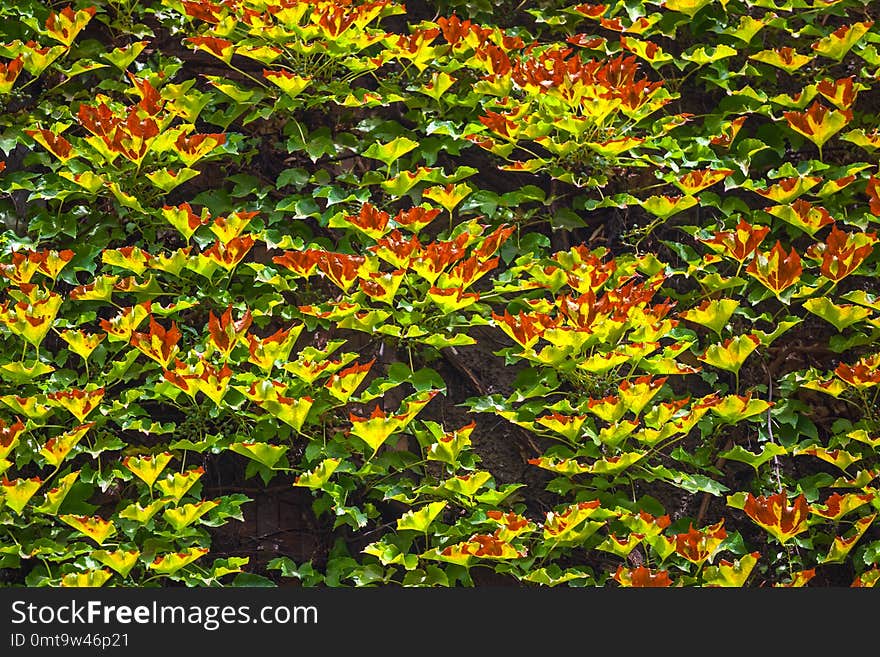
pixel 416 216
pixel 774 514
pixel 592 11
pixel 740 243
pixel 642 577
pixel 98 120
pixel 159 344
pixel 9 71
pixel 225 332
pixel 341 268
pixel 204 10
pixel 215 45
pixel 57 144
pixel 842 253
pixel 873 192
pixel 301 262
pixel 776 270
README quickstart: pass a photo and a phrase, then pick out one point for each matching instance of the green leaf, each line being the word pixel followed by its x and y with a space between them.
pixel 125 199
pixel 691 483
pixel 781 327
pixel 553 575
pixel 439 341
pixel 708 54
pixel 228 566
pixel 863 299
pixel 252 580
pixel 739 453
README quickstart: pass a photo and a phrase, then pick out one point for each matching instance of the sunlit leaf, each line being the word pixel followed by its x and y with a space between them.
pixel 263 453
pixel 843 545
pixel 18 492
pixel 732 353
pixel 421 519
pixel 88 579
pixel 148 468
pixel 774 514
pixel 838 43
pixel 841 316
pixel 168 564
pixel 95 527
pixel 122 561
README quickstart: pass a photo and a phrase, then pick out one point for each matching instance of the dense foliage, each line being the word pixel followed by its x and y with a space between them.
pixel 523 293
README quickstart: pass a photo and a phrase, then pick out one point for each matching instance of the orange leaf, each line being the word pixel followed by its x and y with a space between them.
pixel 774 514
pixel 159 344
pixel 225 333
pixel 642 577
pixel 818 123
pixel 740 243
pixel 776 270
pixel 842 253
pixel 842 92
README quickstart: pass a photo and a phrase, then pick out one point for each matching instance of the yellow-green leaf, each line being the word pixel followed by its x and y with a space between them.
pixel 319 475
pixel 95 527
pixel 768 451
pixel 177 484
pixel 18 492
pixel 88 579
pixel 186 514
pixel 263 453
pixel 168 564
pixel 392 151
pixel 840 316
pixel 122 561
pixel 55 496
pixel 838 43
pixel 842 545
pixel 731 354
pixel 731 574
pixel 148 468
pixel 421 519
pixel 712 313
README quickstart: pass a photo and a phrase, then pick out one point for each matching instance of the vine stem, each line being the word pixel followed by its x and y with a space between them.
pixel 776 469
